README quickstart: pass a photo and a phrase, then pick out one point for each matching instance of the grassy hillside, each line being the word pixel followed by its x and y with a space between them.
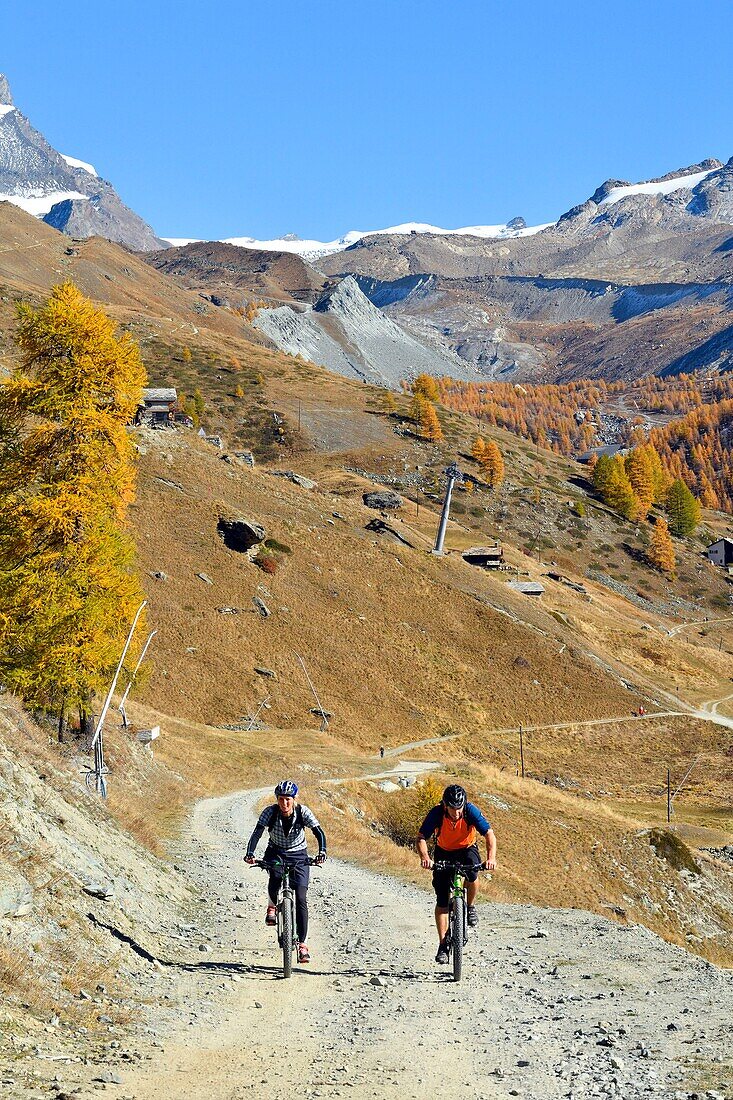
pixel 402 646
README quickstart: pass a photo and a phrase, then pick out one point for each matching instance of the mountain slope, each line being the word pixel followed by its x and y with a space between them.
pixel 638 279
pixel 240 273
pixel 65 192
pixel 348 334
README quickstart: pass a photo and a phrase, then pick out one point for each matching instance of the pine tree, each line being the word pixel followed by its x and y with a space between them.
pixel 186 355
pixel 492 464
pixel 478 448
pixel 661 551
pixel 67 586
pixel 683 509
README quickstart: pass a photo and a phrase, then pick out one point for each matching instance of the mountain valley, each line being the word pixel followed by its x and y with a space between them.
pixel 581 693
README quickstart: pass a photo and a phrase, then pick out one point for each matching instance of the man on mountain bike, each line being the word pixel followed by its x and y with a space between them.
pixel 455 823
pixel 286 822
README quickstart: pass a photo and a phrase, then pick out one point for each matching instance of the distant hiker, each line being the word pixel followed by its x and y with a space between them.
pixel 286 823
pixel 381 751
pixel 454 823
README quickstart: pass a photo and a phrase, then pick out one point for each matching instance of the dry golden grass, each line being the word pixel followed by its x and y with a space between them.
pixel 554 850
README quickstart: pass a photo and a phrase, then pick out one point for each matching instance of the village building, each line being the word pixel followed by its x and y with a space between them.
pixel 721 553
pixel 528 588
pixel 485 557
pixel 158 407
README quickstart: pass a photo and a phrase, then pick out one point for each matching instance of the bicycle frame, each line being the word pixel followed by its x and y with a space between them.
pixel 285 909
pixel 456 938
pixel 286 897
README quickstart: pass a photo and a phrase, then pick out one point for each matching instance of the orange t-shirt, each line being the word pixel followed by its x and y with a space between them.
pixel 455 834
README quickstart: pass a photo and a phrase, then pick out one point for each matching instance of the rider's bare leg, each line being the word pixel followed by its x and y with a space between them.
pixel 471 889
pixel 441 922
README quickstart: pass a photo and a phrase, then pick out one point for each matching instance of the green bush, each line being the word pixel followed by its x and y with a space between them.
pixel 277 547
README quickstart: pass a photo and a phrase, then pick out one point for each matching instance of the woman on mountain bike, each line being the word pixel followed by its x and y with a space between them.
pixel 286 822
pixel 455 823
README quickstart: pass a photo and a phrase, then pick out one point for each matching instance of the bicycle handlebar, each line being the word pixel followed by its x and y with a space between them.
pixel 278 864
pixel 446 865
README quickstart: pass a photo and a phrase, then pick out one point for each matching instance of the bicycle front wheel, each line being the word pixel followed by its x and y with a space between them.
pixel 287 937
pixel 459 919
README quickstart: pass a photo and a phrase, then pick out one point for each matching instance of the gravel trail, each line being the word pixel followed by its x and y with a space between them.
pixel 554 1003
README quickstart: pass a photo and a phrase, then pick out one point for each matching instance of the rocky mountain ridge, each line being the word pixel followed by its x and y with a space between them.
pixel 345 332
pixel 63 191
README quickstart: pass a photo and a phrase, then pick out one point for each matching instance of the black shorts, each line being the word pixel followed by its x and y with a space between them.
pixel 443 880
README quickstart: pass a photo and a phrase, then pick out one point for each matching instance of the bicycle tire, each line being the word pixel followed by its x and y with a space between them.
pixel 459 920
pixel 287 937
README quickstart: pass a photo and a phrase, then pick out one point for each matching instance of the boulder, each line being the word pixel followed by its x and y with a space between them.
pixel 383 500
pixel 240 534
pixel 297 479
pixel 246 457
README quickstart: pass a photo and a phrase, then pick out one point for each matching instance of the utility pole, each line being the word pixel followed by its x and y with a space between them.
pixel 521 748
pixel 319 705
pixel 298 414
pixel 100 769
pixel 672 794
pixel 121 707
pixel 453 474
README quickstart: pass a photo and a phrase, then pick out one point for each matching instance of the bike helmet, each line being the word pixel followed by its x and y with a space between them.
pixel 286 788
pixel 454 796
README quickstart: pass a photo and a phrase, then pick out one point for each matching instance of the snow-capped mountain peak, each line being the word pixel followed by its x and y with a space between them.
pixel 64 191
pixel 310 250
pixel 74 163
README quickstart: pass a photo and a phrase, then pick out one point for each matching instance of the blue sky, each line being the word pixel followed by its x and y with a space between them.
pixel 320 117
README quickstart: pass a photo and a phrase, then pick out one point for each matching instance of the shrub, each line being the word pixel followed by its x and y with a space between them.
pixel 266 563
pixel 579 508
pixel 405 810
pixel 277 547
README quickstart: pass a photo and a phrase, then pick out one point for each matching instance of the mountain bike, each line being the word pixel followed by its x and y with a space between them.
pixel 285 909
pixel 457 935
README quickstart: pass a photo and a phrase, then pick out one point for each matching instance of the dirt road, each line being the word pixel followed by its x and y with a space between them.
pixel 554 1004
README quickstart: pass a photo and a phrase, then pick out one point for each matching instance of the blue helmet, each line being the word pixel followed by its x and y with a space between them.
pixel 286 788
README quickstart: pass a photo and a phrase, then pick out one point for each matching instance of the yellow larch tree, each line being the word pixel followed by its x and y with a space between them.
pixel 426 386
pixel 68 589
pixel 429 423
pixel 492 464
pixel 661 551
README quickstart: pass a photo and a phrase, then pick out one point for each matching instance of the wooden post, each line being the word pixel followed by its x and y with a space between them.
pixel 521 748
pixel 669 797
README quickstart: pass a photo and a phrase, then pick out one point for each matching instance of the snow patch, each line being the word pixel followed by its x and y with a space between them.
pixel 5 108
pixel 38 203
pixel 74 163
pixel 314 250
pixel 664 187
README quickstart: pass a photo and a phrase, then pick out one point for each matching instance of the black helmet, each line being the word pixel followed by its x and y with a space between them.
pixel 454 796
